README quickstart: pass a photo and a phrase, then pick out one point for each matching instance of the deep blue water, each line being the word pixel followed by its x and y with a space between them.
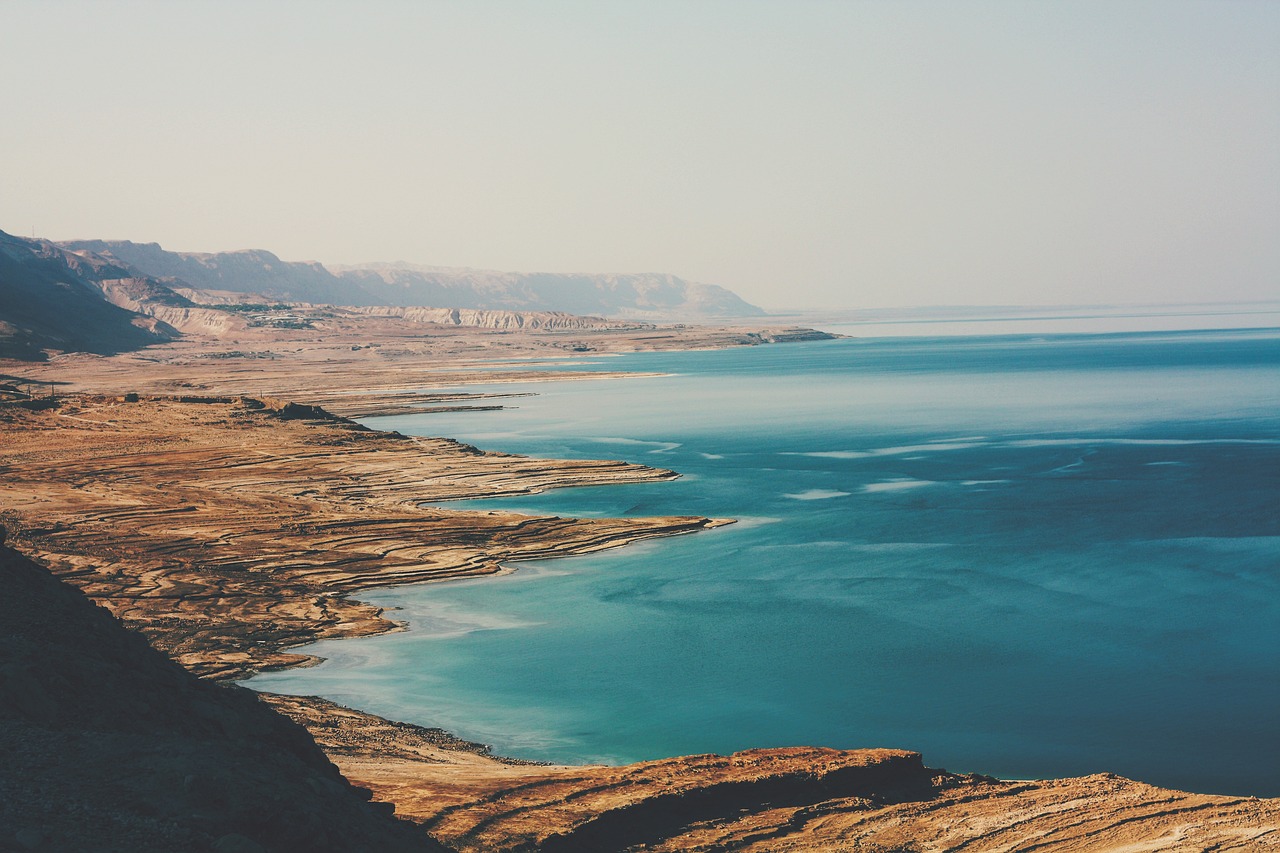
pixel 1028 556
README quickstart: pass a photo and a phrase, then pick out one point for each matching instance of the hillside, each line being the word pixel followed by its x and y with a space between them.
pixel 111 297
pixel 51 299
pixel 110 745
pixel 649 296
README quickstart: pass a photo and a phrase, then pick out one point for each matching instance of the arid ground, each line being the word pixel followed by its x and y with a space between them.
pixel 214 495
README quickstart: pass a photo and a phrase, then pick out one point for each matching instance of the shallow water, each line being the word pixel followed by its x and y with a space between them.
pixel 1029 556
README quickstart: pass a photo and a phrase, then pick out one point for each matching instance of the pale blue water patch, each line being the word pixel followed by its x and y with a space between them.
pixel 1028 556
pixel 1056 321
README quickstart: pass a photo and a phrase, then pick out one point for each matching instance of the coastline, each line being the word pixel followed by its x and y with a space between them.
pixel 291 514
pixel 297 507
pixel 168 553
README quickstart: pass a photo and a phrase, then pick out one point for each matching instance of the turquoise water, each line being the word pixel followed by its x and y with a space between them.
pixel 1028 556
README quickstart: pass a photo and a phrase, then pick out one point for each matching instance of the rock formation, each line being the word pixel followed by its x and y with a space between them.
pixel 109 745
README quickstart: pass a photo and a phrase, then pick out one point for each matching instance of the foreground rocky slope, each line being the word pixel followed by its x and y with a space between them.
pixel 766 800
pixel 108 745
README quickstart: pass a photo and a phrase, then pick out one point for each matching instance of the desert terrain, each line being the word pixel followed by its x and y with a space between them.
pixel 213 495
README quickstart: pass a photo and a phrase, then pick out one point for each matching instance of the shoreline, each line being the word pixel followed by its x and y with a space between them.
pixel 279 537
pixel 319 506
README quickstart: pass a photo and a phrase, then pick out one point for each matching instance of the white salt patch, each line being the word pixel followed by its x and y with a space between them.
pixel 891 451
pixel 925 448
pixel 816 495
pixel 833 454
pixel 896 485
pixel 658 446
pixel 1137 442
pixel 792 546
pixel 890 547
pixel 743 523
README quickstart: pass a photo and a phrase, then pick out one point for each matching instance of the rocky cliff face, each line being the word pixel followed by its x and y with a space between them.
pixel 147 297
pixel 49 299
pixel 107 744
pixel 649 296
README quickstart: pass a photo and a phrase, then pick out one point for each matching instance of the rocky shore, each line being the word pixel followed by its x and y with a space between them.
pixel 216 501
pixel 228 530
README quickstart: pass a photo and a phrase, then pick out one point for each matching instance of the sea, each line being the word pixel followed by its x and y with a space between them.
pixel 1024 547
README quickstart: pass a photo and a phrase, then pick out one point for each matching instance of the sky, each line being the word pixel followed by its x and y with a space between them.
pixel 803 154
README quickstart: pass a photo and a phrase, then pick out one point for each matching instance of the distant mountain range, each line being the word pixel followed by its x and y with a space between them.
pixel 113 296
pixel 647 296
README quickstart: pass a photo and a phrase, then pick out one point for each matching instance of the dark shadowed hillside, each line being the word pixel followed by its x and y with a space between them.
pixel 253 271
pixel 109 745
pixel 49 299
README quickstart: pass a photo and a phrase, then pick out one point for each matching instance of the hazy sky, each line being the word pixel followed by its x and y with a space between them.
pixel 800 153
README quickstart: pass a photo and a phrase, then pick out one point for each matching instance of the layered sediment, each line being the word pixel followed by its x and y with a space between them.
pixel 231 529
pixel 766 800
pixel 228 530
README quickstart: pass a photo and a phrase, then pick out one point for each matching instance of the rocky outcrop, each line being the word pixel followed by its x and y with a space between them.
pixel 766 800
pixel 148 297
pixel 107 744
pixel 640 805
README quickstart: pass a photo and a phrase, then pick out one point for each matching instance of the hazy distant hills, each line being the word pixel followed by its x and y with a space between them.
pixel 53 299
pixel 252 271
pixel 109 296
pixel 647 296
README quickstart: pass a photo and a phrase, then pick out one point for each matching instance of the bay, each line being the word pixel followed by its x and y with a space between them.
pixel 1030 555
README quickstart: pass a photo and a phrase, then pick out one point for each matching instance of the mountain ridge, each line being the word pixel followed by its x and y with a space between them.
pixel 632 296
pixel 53 299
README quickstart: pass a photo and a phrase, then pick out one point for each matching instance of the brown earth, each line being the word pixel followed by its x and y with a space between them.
pixel 227 530
pixel 760 801
pixel 230 529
